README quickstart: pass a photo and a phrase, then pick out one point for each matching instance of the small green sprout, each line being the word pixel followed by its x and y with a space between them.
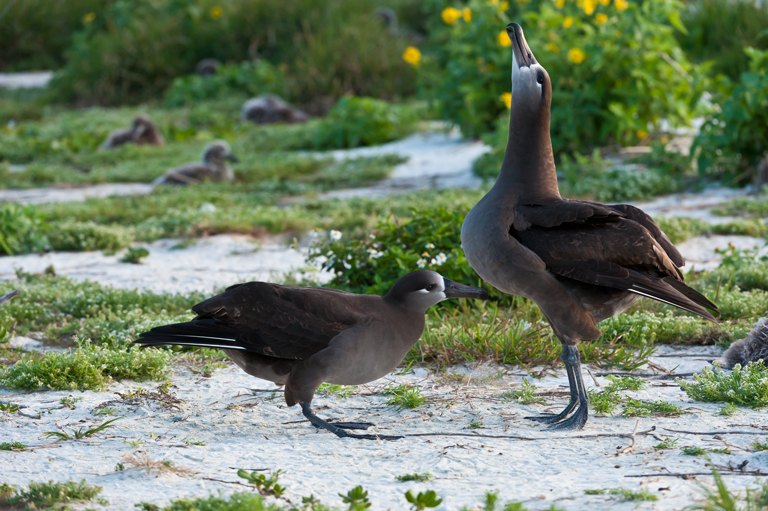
pixel 357 498
pixel 81 432
pixel 625 383
pixel 525 395
pixel 421 478
pixel 9 408
pixel 70 401
pixel 625 494
pixel 605 402
pixel 669 443
pixel 693 451
pixel 475 425
pixel 340 391
pixel 636 408
pixel 760 446
pixel 135 255
pixel 12 446
pixel 106 411
pixel 404 397
pixel 119 467
pixel 265 485
pixel 423 500
pixel 728 410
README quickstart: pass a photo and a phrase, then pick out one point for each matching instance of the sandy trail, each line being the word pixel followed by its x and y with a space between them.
pixel 241 429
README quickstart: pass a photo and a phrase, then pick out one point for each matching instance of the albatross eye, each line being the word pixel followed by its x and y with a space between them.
pixel 540 79
pixel 430 287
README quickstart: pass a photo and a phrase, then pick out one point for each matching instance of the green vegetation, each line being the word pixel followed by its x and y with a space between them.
pixel 728 410
pixel 744 386
pixel 636 408
pixel 12 446
pixel 21 230
pixel 669 443
pixel 625 494
pixel 235 502
pixel 357 498
pixel 608 400
pixel 422 500
pixel 420 478
pixel 733 139
pixel 49 495
pixel 332 389
pixel 721 499
pixel 525 395
pixel 81 432
pixel 267 485
pixel 760 446
pixel 596 97
pixel 404 397
pixel 699 451
pixel 89 367
pixel 135 255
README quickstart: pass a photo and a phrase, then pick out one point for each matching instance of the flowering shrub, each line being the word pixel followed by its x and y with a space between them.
pixel 615 66
pixel 430 240
pixel 734 139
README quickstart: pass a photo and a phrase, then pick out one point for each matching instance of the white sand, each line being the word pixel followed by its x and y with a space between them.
pixel 208 265
pixel 43 195
pixel 262 434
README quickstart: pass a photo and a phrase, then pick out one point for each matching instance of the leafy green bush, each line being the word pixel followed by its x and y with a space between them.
pixel 21 230
pixel 250 78
pixel 89 367
pixel 84 236
pixel 51 495
pixel 431 240
pixel 356 121
pixel 35 33
pixel 718 30
pixel 133 49
pixel 744 386
pixel 616 67
pixel 733 140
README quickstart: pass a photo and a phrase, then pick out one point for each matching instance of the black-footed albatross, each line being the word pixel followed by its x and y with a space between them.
pixel 581 262
pixel 7 297
pixel 213 167
pixel 301 337
pixel 142 132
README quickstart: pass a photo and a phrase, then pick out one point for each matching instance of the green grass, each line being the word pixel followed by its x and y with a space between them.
pixel 525 395
pixel 700 451
pixel 635 408
pixel 625 494
pixel 404 397
pixel 340 391
pixel 744 386
pixel 669 443
pixel 722 499
pixel 50 495
pixel 420 478
pixel 89 367
pixel 10 446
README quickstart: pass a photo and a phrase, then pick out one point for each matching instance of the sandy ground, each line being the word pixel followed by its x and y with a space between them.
pixel 255 430
pixel 209 264
pixel 30 80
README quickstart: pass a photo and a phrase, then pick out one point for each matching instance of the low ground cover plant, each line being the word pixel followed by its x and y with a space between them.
pixel 50 495
pixel 734 138
pixel 744 386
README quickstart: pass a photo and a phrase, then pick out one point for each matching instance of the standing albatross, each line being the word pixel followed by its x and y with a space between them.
pixel 581 262
pixel 301 337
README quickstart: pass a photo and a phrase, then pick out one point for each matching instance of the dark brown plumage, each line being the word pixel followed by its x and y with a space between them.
pixel 302 337
pixel 268 109
pixel 142 132
pixel 581 262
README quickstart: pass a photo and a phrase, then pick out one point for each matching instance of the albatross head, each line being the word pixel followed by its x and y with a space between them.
pixel 531 87
pixel 421 289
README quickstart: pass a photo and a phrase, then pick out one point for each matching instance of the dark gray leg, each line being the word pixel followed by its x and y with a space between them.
pixel 337 430
pixel 571 359
pixel 551 418
pixel 579 396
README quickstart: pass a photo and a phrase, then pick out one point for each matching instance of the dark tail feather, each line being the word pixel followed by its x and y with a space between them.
pixel 662 291
pixel 691 293
pixel 202 333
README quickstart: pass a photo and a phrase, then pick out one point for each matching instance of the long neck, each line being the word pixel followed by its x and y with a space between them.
pixel 529 164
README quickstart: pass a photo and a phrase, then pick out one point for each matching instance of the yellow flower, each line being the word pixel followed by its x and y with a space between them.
pixel 559 4
pixel 605 2
pixel 412 55
pixel 588 6
pixel 621 4
pixel 576 56
pixel 504 39
pixel 567 22
pixel 216 12
pixel 601 18
pixel 554 49
pixel 450 15
pixel 467 14
pixel 504 6
pixel 88 18
pixel 642 134
pixel 507 99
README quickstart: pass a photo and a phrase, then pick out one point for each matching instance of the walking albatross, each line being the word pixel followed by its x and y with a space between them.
pixel 581 262
pixel 301 337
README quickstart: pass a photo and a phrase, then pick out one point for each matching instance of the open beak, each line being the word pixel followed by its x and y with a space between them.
pixel 456 290
pixel 523 54
pixel 232 158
